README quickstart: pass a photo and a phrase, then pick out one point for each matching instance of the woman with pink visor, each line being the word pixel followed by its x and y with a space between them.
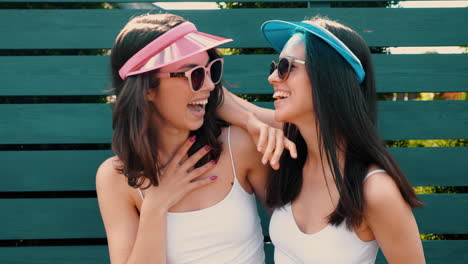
pixel 181 186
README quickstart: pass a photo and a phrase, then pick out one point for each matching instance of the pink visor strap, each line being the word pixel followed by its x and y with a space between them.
pixel 156 46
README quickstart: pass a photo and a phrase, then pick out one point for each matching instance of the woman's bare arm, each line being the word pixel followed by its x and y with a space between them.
pixel 131 238
pixel 142 239
pixel 261 125
pixel 392 221
pixel 242 108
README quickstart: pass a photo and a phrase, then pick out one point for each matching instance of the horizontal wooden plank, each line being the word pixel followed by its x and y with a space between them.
pixel 60 75
pixel 91 123
pixel 423 120
pixel 46 169
pixel 89 29
pixel 51 170
pixel 443 214
pixel 55 123
pixel 54 254
pixel 449 165
pixel 419 119
pixel 51 218
pixel 435 251
pixel 394 73
pixel 89 75
pixel 440 252
pixel 57 218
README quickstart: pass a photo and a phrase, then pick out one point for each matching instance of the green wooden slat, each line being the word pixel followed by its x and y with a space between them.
pixel 50 170
pixel 435 251
pixel 443 214
pixel 269 253
pixel 91 123
pixel 51 218
pixel 57 218
pixel 54 75
pixel 419 120
pixel 55 123
pixel 54 254
pixel 448 165
pixel 89 75
pixel 440 252
pixel 83 29
pixel 423 120
pixel 46 168
pixel 421 72
pixel 72 254
pixel 394 73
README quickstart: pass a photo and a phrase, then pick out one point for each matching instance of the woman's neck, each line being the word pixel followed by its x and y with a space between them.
pixel 168 140
pixel 316 156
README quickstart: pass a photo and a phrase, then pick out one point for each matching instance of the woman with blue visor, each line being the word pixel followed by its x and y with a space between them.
pixel 344 197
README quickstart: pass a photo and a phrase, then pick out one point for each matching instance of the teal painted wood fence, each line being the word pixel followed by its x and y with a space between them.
pixel 52 142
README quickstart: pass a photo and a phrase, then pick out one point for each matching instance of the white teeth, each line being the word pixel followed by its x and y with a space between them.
pixel 281 95
pixel 199 102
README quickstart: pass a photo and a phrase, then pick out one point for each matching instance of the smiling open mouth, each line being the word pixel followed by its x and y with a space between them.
pixel 281 95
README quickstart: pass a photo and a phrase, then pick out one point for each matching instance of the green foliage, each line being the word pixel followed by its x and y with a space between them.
pixel 234 5
pixel 57 6
pixel 427 143
pixel 440 189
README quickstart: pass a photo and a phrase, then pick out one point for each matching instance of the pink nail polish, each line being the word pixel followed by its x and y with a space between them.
pixel 192 138
pixel 207 148
pixel 213 162
pixel 213 178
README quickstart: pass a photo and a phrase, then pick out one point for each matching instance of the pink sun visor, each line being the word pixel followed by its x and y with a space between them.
pixel 176 44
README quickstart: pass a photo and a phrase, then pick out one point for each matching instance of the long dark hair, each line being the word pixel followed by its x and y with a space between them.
pixel 346 117
pixel 133 141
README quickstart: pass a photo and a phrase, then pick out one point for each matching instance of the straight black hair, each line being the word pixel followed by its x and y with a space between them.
pixel 346 119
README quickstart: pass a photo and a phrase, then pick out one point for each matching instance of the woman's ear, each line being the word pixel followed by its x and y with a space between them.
pixel 150 95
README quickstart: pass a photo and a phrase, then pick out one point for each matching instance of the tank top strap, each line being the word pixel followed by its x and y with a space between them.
pixel 372 173
pixel 141 193
pixel 230 154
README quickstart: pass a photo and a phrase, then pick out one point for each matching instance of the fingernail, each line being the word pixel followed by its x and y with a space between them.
pixel 213 178
pixel 207 148
pixel 213 162
pixel 192 138
pixel 259 149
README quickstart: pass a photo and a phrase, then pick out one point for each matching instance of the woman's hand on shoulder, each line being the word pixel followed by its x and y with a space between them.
pixel 178 178
pixel 270 141
pixel 391 220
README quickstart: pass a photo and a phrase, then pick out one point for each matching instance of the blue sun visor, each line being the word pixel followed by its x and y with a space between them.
pixel 278 32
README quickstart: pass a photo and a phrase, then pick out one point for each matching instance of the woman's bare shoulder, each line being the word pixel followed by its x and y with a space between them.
pixel 108 175
pixel 240 139
pixel 380 189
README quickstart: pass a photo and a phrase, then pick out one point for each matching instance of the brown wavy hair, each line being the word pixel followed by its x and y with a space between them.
pixel 133 141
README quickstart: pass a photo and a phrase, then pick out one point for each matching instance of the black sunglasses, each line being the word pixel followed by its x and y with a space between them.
pixel 284 66
pixel 196 75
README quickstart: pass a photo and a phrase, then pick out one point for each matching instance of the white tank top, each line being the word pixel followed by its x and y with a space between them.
pixel 227 232
pixel 331 245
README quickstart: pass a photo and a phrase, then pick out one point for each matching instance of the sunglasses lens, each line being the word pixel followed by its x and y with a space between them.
pixel 272 67
pixel 216 71
pixel 283 68
pixel 198 77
